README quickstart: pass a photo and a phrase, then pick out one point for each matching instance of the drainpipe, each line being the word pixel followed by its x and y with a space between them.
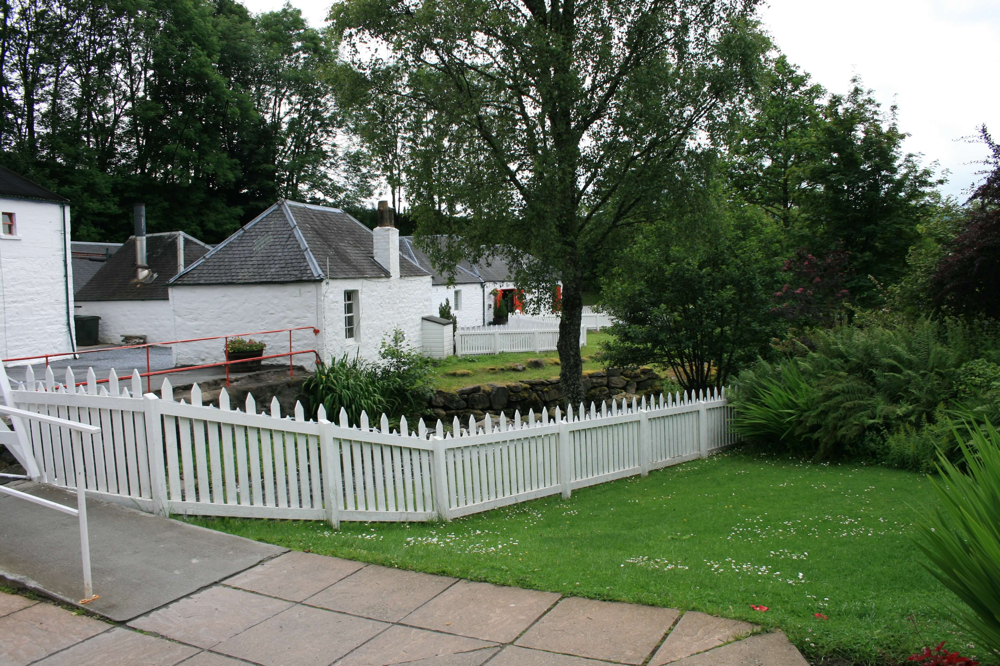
pixel 141 269
pixel 69 294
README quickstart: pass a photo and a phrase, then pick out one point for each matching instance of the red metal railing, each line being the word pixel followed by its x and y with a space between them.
pixel 150 373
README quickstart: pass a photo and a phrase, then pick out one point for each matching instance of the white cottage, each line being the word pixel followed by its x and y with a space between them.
pixel 129 290
pixel 472 291
pixel 301 265
pixel 36 276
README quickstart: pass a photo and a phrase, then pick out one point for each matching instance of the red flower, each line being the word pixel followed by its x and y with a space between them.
pixel 758 608
pixel 820 616
pixel 941 657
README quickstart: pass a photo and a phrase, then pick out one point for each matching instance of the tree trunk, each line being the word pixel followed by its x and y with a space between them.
pixel 571 363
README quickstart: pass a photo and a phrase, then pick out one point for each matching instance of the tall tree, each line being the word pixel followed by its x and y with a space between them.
pixel 548 126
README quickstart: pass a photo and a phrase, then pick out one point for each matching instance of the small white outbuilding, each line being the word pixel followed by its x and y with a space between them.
pixel 438 337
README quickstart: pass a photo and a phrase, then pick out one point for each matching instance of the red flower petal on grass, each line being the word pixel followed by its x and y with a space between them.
pixel 758 608
pixel 820 616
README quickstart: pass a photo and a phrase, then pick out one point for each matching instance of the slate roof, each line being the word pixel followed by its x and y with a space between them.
pixel 496 270
pixel 88 259
pixel 17 186
pixel 294 242
pixel 116 280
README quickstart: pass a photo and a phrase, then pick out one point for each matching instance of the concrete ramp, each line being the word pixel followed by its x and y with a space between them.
pixel 140 562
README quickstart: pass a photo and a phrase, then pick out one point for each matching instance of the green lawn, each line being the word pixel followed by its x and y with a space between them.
pixel 716 535
pixel 491 368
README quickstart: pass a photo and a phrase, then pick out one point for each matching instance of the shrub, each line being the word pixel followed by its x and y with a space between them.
pixel 445 312
pixel 404 376
pixel 962 537
pixel 978 378
pixel 237 345
pixel 859 392
pixel 398 384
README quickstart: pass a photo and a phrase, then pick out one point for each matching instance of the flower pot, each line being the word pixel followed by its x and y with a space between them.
pixel 249 366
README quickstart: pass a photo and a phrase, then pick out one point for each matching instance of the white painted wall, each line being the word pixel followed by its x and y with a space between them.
pixel 385 304
pixel 33 280
pixel 471 313
pixel 202 311
pixel 154 319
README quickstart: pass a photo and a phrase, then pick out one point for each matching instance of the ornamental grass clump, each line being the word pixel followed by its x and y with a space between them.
pixel 962 537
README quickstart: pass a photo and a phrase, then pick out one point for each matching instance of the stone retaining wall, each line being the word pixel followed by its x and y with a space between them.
pixel 601 386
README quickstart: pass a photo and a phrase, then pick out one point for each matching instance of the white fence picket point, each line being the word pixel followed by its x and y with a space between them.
pixel 614 407
pixel 456 427
pixel 70 380
pixel 488 424
pixel 343 420
pixel 604 409
pixel 531 418
pixel 545 416
pixel 321 414
pixel 224 400
pixel 136 384
pixel 364 421
pixel 275 408
pixel 438 430
pixel 299 411
pixel 722 394
pixel 517 419
pixel 581 412
pixel 167 391
pixel 196 394
pixel 503 422
pixel 29 378
pixel 125 393
pixel 569 413
pixel 384 424
pixel 558 415
pixel 593 410
pixel 50 379
pixel 421 429
pixel 404 427
pixel 251 404
pixel 701 395
pixel 103 392
pixel 91 381
pixel 634 404
pixel 113 383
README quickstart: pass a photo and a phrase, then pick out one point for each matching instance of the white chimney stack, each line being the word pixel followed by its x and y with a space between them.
pixel 386 240
pixel 141 269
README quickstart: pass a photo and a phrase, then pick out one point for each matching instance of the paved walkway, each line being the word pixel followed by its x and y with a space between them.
pixel 200 598
pixel 304 609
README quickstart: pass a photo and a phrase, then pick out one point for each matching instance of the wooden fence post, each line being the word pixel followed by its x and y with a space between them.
pixel 703 428
pixel 332 476
pixel 154 453
pixel 440 479
pixel 566 458
pixel 645 445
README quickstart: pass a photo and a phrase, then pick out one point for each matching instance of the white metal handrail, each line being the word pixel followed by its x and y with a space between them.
pixel 77 429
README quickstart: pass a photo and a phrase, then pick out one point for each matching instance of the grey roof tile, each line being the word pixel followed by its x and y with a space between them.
pixel 115 280
pixel 269 250
pixel 13 184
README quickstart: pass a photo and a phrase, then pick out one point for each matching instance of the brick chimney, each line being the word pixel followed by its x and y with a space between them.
pixel 386 239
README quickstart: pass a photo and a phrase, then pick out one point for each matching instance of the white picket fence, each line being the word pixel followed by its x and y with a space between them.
pixel 521 333
pixel 170 457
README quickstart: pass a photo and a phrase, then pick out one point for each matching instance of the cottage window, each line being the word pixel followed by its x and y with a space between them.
pixel 350 314
pixel 8 225
pixel 458 299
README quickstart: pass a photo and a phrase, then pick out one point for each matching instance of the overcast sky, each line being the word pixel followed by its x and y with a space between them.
pixel 936 59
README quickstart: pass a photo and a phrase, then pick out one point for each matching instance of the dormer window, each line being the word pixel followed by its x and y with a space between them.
pixel 9 228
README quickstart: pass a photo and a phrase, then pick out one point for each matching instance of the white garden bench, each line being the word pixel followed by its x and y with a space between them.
pixel 17 443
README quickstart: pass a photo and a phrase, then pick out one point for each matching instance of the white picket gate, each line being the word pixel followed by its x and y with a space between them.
pixel 170 457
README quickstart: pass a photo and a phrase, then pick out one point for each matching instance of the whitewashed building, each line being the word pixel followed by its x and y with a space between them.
pixel 129 290
pixel 36 275
pixel 301 265
pixel 473 290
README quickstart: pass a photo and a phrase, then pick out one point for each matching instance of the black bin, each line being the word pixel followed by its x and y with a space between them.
pixel 87 327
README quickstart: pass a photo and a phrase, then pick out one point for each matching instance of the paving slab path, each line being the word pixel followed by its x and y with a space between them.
pixel 302 609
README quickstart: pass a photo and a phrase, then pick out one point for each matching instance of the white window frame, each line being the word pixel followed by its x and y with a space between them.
pixel 352 302
pixel 458 300
pixel 13 225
